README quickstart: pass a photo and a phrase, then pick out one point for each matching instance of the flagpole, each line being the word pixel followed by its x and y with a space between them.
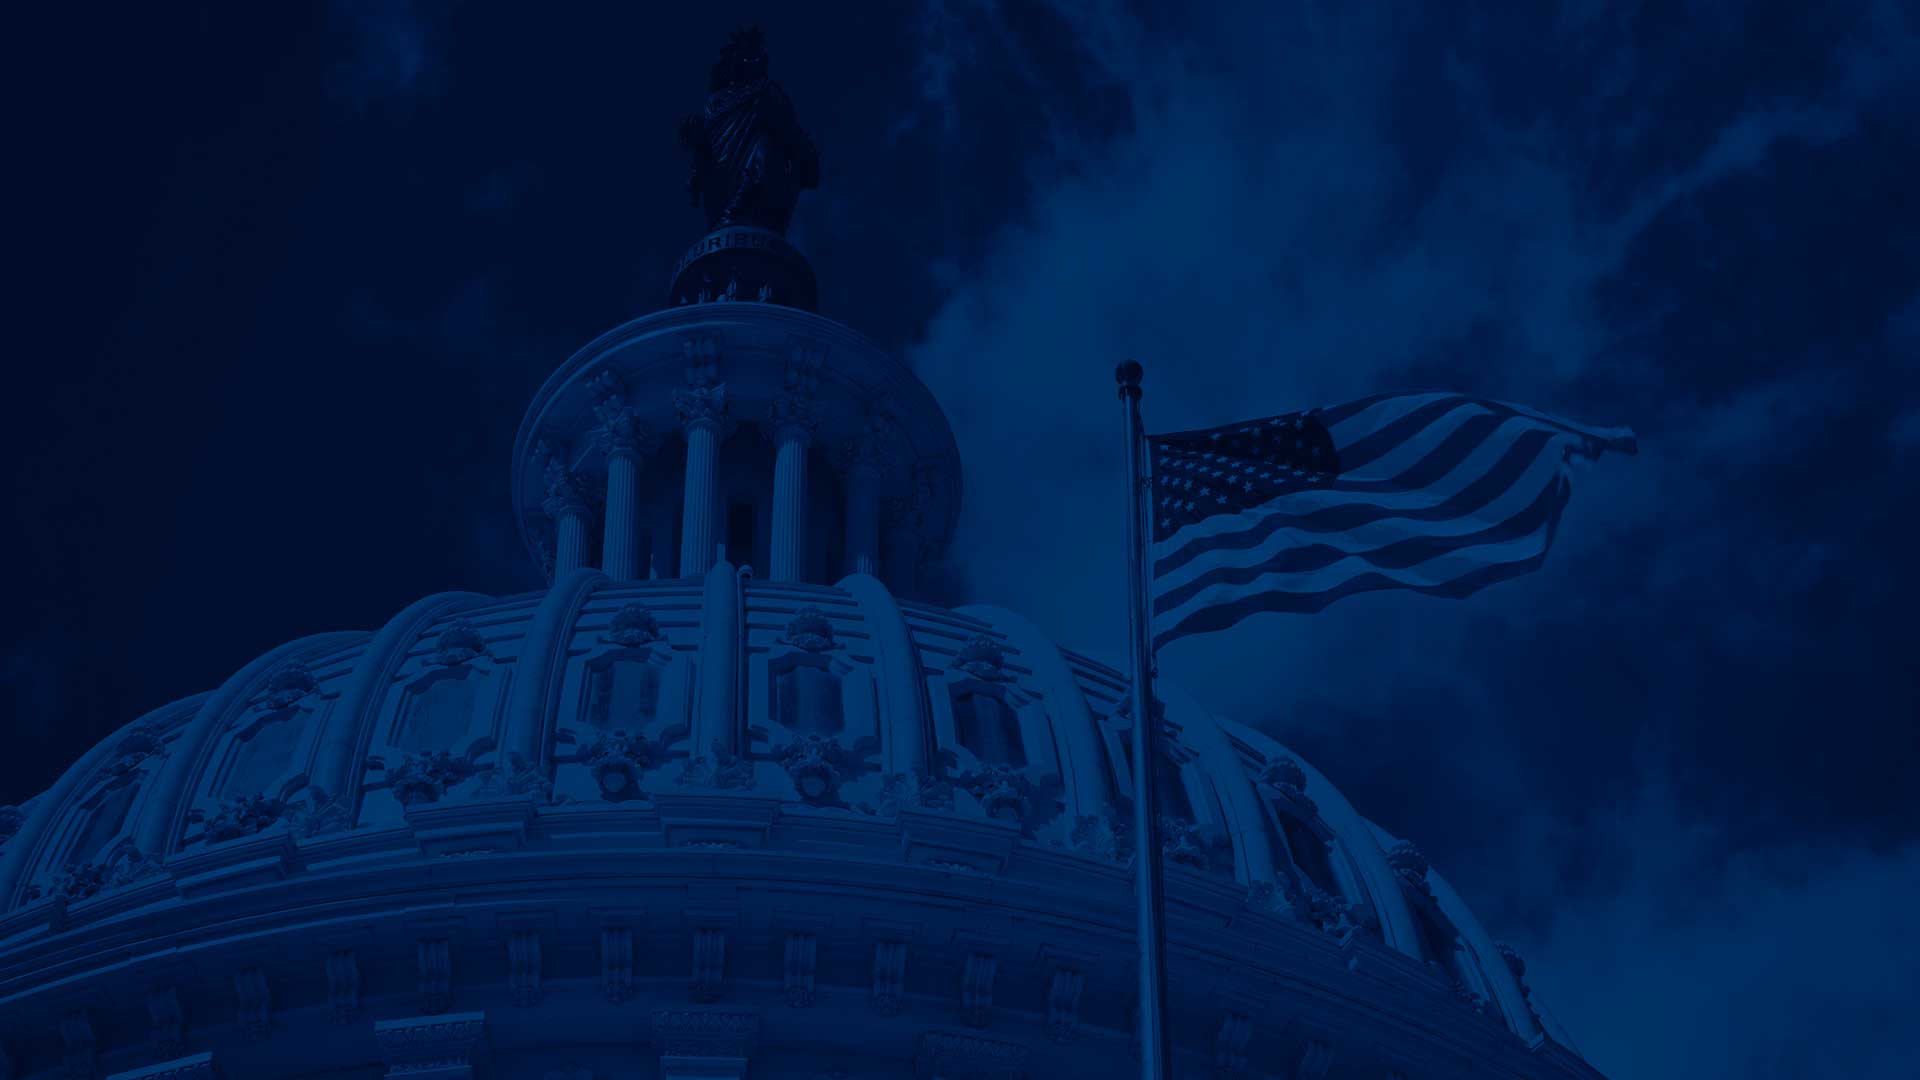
pixel 1156 1052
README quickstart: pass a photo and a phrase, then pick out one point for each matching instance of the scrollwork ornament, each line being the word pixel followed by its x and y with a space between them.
pixel 916 790
pixel 617 761
pixel 242 815
pixel 427 776
pixel 1104 836
pixel 720 769
pixel 1180 842
pixel 818 766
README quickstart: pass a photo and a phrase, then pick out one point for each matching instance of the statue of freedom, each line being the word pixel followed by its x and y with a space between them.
pixel 751 160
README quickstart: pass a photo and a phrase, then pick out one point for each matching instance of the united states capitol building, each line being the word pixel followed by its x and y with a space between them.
pixel 727 799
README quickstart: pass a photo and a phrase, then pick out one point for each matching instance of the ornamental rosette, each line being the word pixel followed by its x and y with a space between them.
pixel 810 630
pixel 633 626
pixel 460 643
pixel 1284 777
pixel 288 687
pixel 138 746
pixel 983 658
pixel 1410 866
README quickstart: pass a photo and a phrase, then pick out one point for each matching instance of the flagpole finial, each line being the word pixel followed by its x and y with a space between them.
pixel 1128 376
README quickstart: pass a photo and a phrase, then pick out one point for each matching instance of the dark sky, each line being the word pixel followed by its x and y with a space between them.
pixel 288 276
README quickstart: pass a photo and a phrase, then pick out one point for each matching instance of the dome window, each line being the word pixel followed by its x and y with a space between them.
pixel 625 696
pixel 807 698
pixel 104 820
pixel 987 726
pixel 261 756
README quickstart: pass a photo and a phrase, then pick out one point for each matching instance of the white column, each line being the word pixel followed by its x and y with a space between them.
pixel 619 546
pixel 566 503
pixel 863 518
pixel 792 433
pixel 699 496
pixel 624 440
pixel 789 503
pixel 702 403
pixel 794 414
pixel 907 517
pixel 863 462
pixel 663 552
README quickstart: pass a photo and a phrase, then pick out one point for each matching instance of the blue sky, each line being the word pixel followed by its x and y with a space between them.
pixel 294 273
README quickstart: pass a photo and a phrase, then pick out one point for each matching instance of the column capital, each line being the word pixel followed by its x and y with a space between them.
pixel 565 494
pixel 702 402
pixel 794 417
pixel 909 512
pixel 796 409
pixel 703 406
pixel 620 430
pixel 867 449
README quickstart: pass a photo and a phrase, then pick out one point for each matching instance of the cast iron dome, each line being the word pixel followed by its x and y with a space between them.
pixel 669 818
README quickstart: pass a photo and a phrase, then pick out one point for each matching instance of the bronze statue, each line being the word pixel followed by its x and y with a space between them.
pixel 751 160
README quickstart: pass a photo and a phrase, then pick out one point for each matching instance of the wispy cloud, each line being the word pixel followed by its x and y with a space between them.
pixel 389 55
pixel 1279 225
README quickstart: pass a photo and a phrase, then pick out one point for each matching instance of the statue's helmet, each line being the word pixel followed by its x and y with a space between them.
pixel 743 60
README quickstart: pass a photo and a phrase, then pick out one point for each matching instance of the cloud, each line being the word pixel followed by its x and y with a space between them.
pixel 1794 961
pixel 1318 204
pixel 389 57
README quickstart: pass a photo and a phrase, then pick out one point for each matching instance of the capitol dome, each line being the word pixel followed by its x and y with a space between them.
pixel 675 815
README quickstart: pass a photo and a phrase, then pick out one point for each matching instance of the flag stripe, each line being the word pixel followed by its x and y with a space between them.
pixel 1228 611
pixel 1441 494
pixel 1285 559
pixel 1349 533
pixel 1337 510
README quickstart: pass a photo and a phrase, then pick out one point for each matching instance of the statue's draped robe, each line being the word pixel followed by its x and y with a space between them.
pixel 753 160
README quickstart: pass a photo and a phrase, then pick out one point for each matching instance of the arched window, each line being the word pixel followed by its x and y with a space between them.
pixel 1309 853
pixel 624 696
pixel 807 700
pixel 1169 786
pixel 103 823
pixel 261 757
pixel 986 725
pixel 440 710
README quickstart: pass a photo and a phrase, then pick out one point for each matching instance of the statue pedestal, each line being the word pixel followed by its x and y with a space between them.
pixel 737 263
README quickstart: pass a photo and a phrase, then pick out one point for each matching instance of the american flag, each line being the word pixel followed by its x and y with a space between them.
pixel 1439 493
